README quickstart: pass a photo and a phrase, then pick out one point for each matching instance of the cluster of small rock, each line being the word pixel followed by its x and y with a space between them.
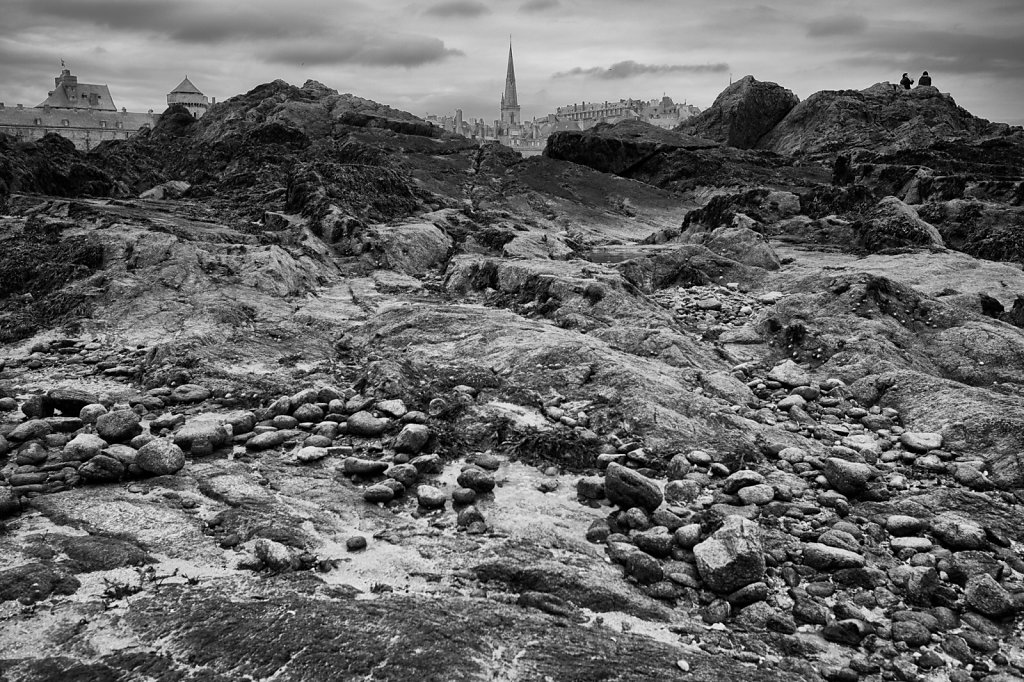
pixel 65 437
pixel 79 358
pixel 778 546
pixel 712 305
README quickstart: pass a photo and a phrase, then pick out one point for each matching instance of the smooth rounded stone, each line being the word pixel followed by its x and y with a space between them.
pixel 5 446
pixel 308 412
pixel 635 518
pixel 284 421
pixel 917 544
pixel 921 441
pixel 317 442
pixel 748 594
pixel 365 425
pixel 304 397
pixel 988 597
pixel 839 539
pixel 741 479
pixel 793 455
pixel 415 417
pixel 760 494
pixel 310 453
pixel 266 440
pixel 327 429
pixel 732 557
pixel 91 412
pixel 850 631
pixel 627 488
pixel 141 439
pixel 476 479
pixel 899 524
pixel 392 408
pixel 273 554
pixel 488 461
pixel 656 542
pixel 205 431
pixel 379 493
pixel 669 519
pixel 189 393
pixel 412 438
pixel 791 401
pixel 357 466
pixel 31 453
pixel 678 467
pixel 241 421
pixel 8 404
pixel 644 568
pixel 282 405
pixel 406 474
pixel 687 536
pixel 911 633
pixel 590 487
pixel 102 469
pixel 31 430
pixel 849 478
pixel 160 457
pixel 118 426
pixel 430 497
pixel 356 543
pixel 428 464
pixel 699 458
pixel 10 504
pixel 469 516
pixel 83 447
pixel 598 531
pixel 464 496
pixel 396 486
pixel 956 533
pixel 826 558
pixel 789 374
pixel 125 454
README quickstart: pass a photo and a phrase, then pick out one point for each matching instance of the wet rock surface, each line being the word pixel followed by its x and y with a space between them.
pixel 361 400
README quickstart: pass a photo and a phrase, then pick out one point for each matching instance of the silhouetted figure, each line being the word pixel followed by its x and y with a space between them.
pixel 842 171
pixel 925 79
pixel 906 82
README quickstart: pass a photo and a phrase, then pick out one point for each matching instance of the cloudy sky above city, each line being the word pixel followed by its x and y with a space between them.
pixel 432 57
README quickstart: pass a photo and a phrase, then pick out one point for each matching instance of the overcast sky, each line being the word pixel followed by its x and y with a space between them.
pixel 431 57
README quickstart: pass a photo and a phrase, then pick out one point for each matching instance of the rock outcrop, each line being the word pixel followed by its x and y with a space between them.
pixel 743 113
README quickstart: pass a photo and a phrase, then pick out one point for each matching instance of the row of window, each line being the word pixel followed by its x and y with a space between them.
pixel 66 123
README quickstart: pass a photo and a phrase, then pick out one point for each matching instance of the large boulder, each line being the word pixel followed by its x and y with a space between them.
pixel 893 224
pixel 119 426
pixel 160 458
pixel 629 489
pixel 732 557
pixel 743 113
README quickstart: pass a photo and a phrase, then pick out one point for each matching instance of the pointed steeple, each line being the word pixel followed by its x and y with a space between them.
pixel 510 99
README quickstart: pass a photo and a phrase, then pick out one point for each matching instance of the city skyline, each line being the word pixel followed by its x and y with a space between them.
pixel 433 58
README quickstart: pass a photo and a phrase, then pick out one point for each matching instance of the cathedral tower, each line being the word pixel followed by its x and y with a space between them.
pixel 510 117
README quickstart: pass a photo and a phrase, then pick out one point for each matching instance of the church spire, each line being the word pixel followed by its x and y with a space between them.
pixel 510 98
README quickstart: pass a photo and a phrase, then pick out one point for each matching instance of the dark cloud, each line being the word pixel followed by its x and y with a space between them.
pixel 841 25
pixel 180 21
pixel 630 68
pixel 458 8
pixel 538 5
pixel 950 52
pixel 367 50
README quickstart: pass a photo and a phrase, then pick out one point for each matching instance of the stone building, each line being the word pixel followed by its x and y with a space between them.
pixel 191 97
pixel 84 113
